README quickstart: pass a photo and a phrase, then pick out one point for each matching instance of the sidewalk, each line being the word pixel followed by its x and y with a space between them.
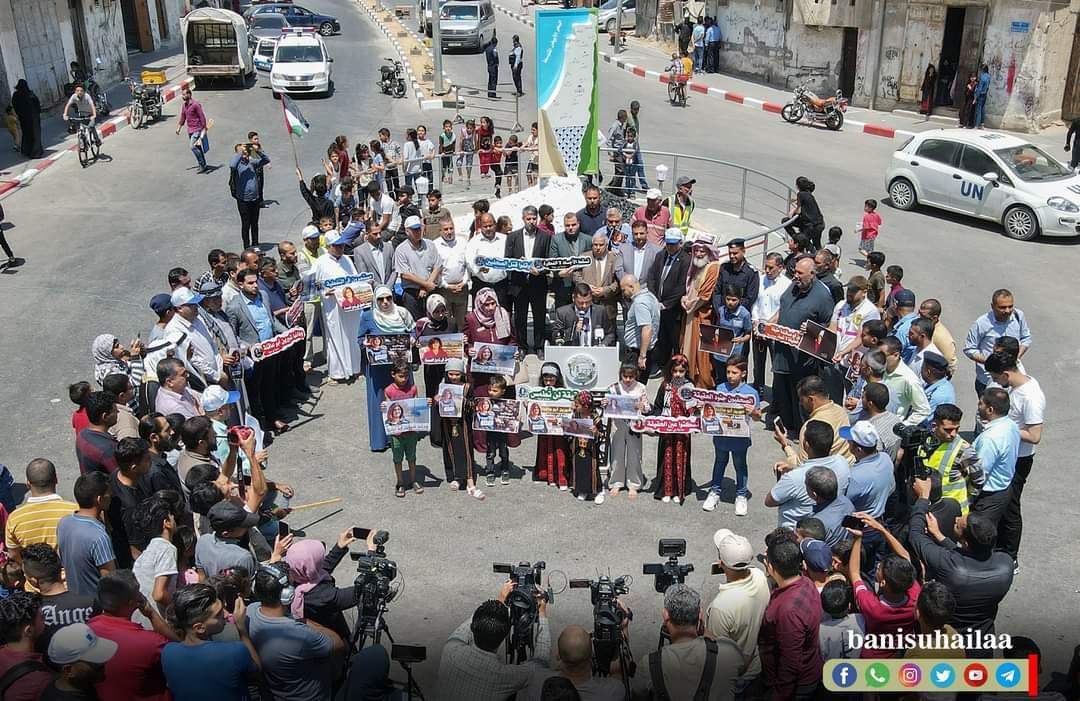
pixel 54 134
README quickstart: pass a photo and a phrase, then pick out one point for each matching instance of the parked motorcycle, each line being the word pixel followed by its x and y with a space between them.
pixel 805 104
pixel 146 103
pixel 392 79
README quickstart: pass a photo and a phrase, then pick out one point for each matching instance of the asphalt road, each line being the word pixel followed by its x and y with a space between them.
pixel 98 243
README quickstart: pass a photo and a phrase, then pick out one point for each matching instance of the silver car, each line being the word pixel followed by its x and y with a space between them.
pixel 606 16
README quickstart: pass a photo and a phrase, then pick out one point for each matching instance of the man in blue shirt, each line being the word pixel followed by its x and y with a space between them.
pixel 981 89
pixel 906 313
pixel 997 447
pixel 642 325
pixel 712 46
pixel 1003 319
pixel 244 186
pixel 939 390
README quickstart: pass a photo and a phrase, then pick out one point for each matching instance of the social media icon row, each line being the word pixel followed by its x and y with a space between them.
pixel 942 675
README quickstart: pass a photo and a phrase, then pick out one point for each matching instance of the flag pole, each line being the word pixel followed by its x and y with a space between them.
pixel 288 127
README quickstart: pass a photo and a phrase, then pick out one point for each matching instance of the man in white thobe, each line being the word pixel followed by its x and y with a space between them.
pixel 339 328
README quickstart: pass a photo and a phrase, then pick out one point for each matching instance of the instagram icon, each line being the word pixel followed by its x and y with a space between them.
pixel 910 675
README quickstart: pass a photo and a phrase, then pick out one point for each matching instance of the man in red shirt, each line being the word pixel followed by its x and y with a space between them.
pixel 135 671
pixel 788 640
pixel 20 625
pixel 892 612
pixel 655 214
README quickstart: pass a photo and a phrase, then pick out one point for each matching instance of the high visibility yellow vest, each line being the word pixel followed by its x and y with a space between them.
pixel 942 460
pixel 680 214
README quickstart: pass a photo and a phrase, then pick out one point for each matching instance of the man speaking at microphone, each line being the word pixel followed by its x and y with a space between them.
pixel 582 323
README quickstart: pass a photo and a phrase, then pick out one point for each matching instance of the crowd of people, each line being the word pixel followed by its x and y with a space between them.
pixel 174 572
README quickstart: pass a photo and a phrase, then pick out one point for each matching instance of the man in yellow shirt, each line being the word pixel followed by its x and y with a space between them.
pixel 816 405
pixel 35 520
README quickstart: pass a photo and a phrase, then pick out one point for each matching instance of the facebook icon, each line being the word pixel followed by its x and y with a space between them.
pixel 844 675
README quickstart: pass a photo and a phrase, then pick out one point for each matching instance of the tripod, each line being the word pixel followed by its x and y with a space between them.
pixel 602 661
pixel 370 628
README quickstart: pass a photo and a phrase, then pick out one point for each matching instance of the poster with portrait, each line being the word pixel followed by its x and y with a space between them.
pixel 354 297
pixel 496 415
pixel 716 340
pixel 494 359
pixel 449 399
pixel 437 349
pixel 818 341
pixel 579 428
pixel 387 350
pixel 405 415
pixel 544 417
pixel 855 364
pixel 623 406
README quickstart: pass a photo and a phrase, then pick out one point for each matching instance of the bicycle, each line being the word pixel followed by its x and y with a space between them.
pixel 676 88
pixel 89 145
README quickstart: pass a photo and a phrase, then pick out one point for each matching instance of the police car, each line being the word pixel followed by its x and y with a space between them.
pixel 301 63
pixel 989 175
pixel 263 55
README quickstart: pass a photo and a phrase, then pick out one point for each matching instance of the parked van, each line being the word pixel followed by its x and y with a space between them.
pixel 467 24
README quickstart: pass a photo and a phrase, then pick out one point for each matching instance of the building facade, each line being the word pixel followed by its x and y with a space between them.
pixel 40 38
pixel 877 51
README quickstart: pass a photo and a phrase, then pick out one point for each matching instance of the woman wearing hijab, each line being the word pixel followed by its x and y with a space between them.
pixel 929 85
pixel 317 597
pixel 383 319
pixel 697 303
pixel 28 110
pixel 111 358
pixel 339 326
pixel 437 322
pixel 487 323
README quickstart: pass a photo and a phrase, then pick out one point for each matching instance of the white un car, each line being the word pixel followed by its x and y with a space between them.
pixel 301 64
pixel 987 175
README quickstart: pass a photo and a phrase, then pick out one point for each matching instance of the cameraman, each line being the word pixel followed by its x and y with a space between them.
pixel 955 470
pixel 471 666
pixel 677 671
pixel 576 664
pixel 317 597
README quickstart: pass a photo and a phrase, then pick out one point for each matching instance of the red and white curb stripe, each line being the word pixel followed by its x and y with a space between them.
pixel 105 130
pixel 850 125
pixel 422 101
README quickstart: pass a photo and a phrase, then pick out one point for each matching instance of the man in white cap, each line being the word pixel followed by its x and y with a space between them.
pixel 667 280
pixel 417 264
pixel 656 216
pixel 310 251
pixel 216 403
pixel 195 344
pixel 739 606
pixel 339 328
pixel 80 656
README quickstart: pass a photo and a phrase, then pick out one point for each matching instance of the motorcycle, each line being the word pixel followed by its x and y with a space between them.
pixel 146 103
pixel 806 104
pixel 86 79
pixel 392 79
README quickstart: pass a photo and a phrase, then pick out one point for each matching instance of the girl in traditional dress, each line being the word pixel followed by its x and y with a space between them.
pixel 673 452
pixel 587 483
pixel 552 452
pixel 457 438
pixel 437 322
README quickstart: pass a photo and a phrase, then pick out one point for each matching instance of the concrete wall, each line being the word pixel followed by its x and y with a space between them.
pixel 104 32
pixel 757 42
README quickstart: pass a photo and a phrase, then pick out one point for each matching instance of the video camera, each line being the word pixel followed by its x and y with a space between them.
pixel 374 574
pixel 918 443
pixel 670 572
pixel 524 614
pixel 609 643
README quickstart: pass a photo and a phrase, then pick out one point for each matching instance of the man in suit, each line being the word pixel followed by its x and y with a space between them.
pixel 601 274
pixel 667 280
pixel 570 242
pixel 250 316
pixel 639 252
pixel 582 323
pixel 528 290
pixel 376 256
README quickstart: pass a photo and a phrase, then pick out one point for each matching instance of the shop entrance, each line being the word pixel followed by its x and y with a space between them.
pixel 961 49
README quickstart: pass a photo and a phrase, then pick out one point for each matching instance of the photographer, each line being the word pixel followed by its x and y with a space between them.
pixel 575 651
pixel 955 470
pixel 471 666
pixel 677 671
pixel 318 598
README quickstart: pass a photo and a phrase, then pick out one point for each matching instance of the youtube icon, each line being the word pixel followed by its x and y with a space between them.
pixel 975 675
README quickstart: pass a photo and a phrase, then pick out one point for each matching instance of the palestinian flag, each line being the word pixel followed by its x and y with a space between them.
pixel 294 121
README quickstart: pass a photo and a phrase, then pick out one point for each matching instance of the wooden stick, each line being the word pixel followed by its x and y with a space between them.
pixel 312 505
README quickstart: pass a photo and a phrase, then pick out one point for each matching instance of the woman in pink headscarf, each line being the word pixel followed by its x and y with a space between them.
pixel 487 323
pixel 318 598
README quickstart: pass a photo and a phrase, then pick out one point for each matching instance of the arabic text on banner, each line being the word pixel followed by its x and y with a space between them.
pixel 546 393
pixel 275 345
pixel 667 424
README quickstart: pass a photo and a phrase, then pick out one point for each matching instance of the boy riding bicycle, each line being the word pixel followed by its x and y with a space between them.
pixel 83 106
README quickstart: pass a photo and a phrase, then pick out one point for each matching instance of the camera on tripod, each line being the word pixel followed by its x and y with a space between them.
pixel 671 572
pixel 609 643
pixel 374 570
pixel 524 614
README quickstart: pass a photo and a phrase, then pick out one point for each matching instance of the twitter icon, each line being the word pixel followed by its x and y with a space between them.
pixel 942 676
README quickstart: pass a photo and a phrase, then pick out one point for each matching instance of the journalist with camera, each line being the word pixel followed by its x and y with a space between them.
pixel 472 666
pixel 610 650
pixel 576 664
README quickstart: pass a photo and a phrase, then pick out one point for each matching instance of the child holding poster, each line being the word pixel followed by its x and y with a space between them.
pixel 587 483
pixel 736 448
pixel 673 452
pixel 552 452
pixel 457 439
pixel 624 451
pixel 403 445
pixel 497 443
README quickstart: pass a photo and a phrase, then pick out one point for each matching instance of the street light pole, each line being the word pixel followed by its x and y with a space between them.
pixel 436 46
pixel 618 26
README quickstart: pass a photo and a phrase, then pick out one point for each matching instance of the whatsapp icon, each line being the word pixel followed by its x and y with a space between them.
pixel 877 675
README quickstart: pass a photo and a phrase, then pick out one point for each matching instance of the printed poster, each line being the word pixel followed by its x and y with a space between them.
pixel 623 406
pixel 716 340
pixel 545 417
pixel 550 394
pixel 354 297
pixel 818 341
pixel 272 346
pixel 667 424
pixel 496 415
pixel 388 350
pixel 579 428
pixel 405 415
pixel 450 399
pixel 567 92
pixel 494 359
pixel 437 349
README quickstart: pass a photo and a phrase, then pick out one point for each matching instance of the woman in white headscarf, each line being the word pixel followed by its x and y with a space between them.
pixel 111 358
pixel 437 322
pixel 383 319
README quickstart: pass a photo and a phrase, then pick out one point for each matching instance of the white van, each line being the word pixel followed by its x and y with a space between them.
pixel 467 24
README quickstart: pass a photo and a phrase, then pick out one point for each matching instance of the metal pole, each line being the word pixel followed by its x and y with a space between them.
pixel 436 46
pixel 742 197
pixel 517 114
pixel 879 39
pixel 618 26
